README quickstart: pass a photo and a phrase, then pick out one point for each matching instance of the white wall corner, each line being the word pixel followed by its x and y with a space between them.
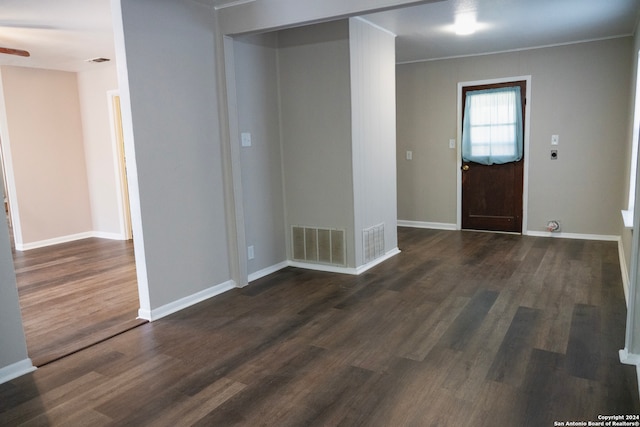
pixel 188 301
pixel 16 370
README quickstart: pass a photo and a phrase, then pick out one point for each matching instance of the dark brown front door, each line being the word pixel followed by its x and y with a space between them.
pixel 492 194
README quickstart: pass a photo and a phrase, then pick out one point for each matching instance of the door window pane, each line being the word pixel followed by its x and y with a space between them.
pixel 492 126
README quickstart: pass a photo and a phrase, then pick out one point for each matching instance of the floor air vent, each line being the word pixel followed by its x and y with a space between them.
pixel 373 242
pixel 318 245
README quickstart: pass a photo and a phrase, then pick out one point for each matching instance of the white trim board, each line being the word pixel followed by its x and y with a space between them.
pixel 266 271
pixel 344 270
pixel 68 238
pixel 393 252
pixel 16 370
pixel 188 301
pixel 629 358
pixel 580 236
pixel 624 271
pixel 561 235
pixel 430 225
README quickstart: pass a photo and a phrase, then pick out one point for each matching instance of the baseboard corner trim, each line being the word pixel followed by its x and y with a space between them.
pixel 430 225
pixel 629 358
pixel 54 241
pixel 68 238
pixel 344 270
pixel 109 236
pixel 322 267
pixel 363 268
pixel 266 271
pixel 16 370
pixel 188 301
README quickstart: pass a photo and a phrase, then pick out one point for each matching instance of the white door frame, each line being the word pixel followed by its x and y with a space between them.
pixel 119 158
pixel 10 182
pixel 527 128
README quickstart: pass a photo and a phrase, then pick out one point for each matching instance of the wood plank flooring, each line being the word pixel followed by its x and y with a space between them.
pixel 460 329
pixel 75 294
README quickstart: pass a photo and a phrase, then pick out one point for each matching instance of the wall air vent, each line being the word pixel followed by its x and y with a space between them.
pixel 318 245
pixel 373 242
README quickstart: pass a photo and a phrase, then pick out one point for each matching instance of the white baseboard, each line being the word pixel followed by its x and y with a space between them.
pixel 563 235
pixel 432 225
pixel 393 252
pixel 16 370
pixel 266 271
pixel 68 238
pixel 182 303
pixel 344 270
pixel 54 241
pixel 321 267
pixel 629 358
pixel 109 236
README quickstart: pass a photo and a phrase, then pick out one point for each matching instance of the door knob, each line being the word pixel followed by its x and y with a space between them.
pixel 465 167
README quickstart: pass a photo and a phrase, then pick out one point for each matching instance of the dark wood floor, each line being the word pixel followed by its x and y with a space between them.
pixel 460 329
pixel 75 294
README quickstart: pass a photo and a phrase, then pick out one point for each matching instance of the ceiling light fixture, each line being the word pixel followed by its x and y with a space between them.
pixel 465 24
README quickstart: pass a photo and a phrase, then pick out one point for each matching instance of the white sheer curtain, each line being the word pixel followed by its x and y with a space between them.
pixel 492 126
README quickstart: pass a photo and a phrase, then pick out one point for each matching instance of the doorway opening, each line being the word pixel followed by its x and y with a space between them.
pixel 76 293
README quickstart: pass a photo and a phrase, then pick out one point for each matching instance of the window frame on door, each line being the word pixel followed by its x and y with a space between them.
pixel 487 111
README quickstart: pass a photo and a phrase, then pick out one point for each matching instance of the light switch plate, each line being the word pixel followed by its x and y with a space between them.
pixel 452 143
pixel 245 137
pixel 555 139
pixel 409 155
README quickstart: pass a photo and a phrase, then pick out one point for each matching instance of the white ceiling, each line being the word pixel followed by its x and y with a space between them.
pixel 59 34
pixel 63 34
pixel 424 32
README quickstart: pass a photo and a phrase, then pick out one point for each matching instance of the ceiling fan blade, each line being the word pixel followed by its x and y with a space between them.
pixel 10 51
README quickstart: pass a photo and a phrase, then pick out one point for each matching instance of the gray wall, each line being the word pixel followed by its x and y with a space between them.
pixel 258 113
pixel 315 98
pixel 579 92
pixel 170 46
